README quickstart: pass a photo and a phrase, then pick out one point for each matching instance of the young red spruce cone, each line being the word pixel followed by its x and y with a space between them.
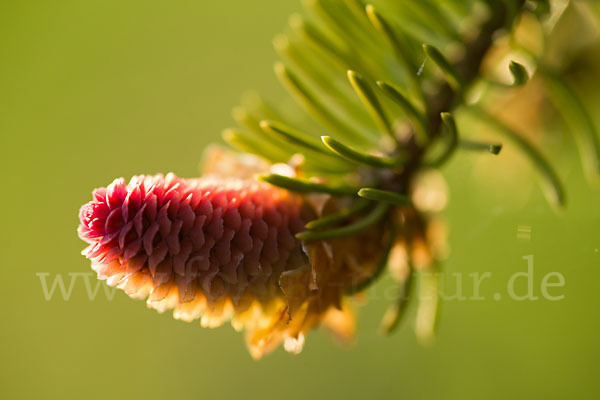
pixel 220 248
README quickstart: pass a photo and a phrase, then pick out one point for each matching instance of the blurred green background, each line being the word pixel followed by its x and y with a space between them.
pixel 93 90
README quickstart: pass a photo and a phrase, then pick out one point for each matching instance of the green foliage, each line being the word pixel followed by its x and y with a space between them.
pixel 451 139
pixel 360 157
pixel 332 219
pixel 401 48
pixel 380 84
pixel 393 316
pixel 376 214
pixel 448 70
pixel 519 73
pixel 305 186
pixel 384 196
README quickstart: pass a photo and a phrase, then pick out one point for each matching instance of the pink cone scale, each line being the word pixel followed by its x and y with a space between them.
pixel 215 238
